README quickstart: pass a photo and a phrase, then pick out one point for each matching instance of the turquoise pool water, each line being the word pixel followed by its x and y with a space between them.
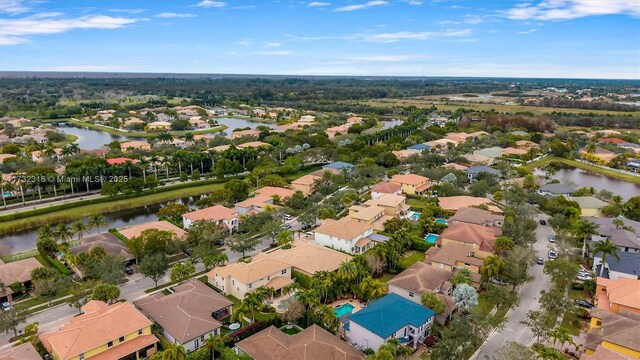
pixel 343 309
pixel 442 221
pixel 7 194
pixel 415 216
pixel 431 238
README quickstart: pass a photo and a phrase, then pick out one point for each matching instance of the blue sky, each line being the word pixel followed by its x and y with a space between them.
pixel 536 38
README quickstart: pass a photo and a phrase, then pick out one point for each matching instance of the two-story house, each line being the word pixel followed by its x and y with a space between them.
pixel 116 331
pixel 347 234
pixel 240 278
pixel 220 215
pixel 626 237
pixel 476 216
pixel 390 317
pixel 412 184
pixel 480 239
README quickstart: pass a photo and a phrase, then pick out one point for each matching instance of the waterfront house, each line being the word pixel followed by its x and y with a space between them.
pixel 222 216
pixel 16 272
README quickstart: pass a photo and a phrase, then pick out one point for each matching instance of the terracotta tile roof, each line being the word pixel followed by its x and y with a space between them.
pixel 136 230
pixel 18 270
pixel 423 187
pixel 121 160
pixel 602 353
pixel 345 228
pixel 411 179
pixel 624 291
pixel 249 132
pixel 308 257
pixel 247 273
pixel 109 242
pixel 455 166
pixel 386 188
pixel 272 191
pixel 421 277
pixel 220 148
pixel 306 180
pixel 253 144
pixel 484 237
pixel 475 216
pixel 403 154
pixel 215 213
pixel 127 348
pixel 3 157
pixel 133 144
pixel 99 324
pixel 25 351
pixel 612 141
pixel 388 200
pixel 259 200
pixel 451 253
pixel 366 213
pixel 514 151
pixel 457 202
pixel 363 242
pixel 187 313
pixel 278 282
pixel 312 343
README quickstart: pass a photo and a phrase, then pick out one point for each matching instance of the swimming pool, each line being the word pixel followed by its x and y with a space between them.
pixel 415 216
pixel 343 309
pixel 7 194
pixel 442 221
pixel 431 238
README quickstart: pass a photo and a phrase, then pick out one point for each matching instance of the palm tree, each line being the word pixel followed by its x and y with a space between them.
pixel 462 276
pixel 618 223
pixel 326 316
pixel 321 283
pixel 372 289
pixel 583 229
pixel 78 228
pixel 240 313
pixel 212 344
pixel 174 352
pixel 63 232
pixel 253 301
pixel 605 248
pixel 308 298
pixel 97 220
pixel 45 232
pixel 348 271
pixel 492 267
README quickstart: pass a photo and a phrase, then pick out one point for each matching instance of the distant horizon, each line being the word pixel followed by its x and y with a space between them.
pixel 132 74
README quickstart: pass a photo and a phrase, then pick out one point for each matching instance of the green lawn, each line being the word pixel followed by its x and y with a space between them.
pixel 411 257
pixel 386 277
pixel 580 165
pixel 291 331
pixel 416 203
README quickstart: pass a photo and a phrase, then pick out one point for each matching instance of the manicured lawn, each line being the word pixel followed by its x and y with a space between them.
pixel 571 322
pixel 291 331
pixel 580 165
pixel 411 258
pixel 386 277
pixel 416 203
pixel 484 307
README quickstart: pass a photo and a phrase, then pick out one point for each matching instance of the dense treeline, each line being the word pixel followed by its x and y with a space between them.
pixel 589 120
pixel 561 102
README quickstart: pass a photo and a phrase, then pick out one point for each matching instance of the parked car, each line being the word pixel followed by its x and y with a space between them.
pixel 498 282
pixel 583 277
pixel 543 222
pixel 540 261
pixel 287 217
pixel 286 226
pixel 584 303
pixel 5 306
pixel 553 255
pixel 128 270
pixel 552 238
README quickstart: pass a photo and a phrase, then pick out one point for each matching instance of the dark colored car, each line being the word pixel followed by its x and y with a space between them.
pixel 128 270
pixel 540 261
pixel 543 222
pixel 584 303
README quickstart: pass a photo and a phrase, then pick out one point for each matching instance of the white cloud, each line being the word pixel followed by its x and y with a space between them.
pixel 318 4
pixel 385 58
pixel 366 5
pixel 572 9
pixel 272 44
pixel 13 7
pixel 413 2
pixel 175 15
pixel 408 35
pixel 525 32
pixel 18 31
pixel 211 4
pixel 128 11
pixel 473 19
pixel 245 42
pixel 275 53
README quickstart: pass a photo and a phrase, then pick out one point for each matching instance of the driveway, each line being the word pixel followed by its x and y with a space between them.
pixel 513 329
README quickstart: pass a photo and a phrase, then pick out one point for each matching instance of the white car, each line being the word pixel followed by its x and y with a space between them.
pixel 287 217
pixel 583 277
pixel 552 238
pixel 552 255
pixel 5 306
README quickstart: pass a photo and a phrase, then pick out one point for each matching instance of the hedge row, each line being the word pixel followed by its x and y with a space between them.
pixel 56 264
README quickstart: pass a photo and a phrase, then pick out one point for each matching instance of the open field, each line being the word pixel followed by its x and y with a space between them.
pixel 113 131
pixel 580 165
pixel 538 110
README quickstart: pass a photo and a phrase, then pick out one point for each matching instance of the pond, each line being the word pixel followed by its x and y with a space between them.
pixel 582 178
pixel 91 139
pixel 389 123
pixel 26 240
pixel 234 123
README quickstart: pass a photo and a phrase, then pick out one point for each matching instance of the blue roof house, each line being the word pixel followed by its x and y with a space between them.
pixel 339 165
pixel 387 318
pixel 418 147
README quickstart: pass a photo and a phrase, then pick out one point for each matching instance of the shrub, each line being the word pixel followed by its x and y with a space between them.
pixel 56 264
pixel 302 279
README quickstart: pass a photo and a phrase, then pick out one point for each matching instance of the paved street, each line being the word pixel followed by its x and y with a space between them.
pixel 514 330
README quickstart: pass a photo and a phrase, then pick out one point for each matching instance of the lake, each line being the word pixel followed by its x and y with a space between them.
pixel 582 178
pixel 26 240
pixel 234 123
pixel 91 139
pixel 391 123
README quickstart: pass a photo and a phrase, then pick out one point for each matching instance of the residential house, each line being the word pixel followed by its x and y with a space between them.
pixel 40 155
pixel 602 353
pixel 454 256
pixel 458 138
pixel 135 145
pixel 619 333
pixel 159 126
pixel 307 257
pixel 478 159
pixel 240 278
pixel 312 343
pixel 472 215
pixel 254 205
pixel 305 184
pixel 404 154
pixel 197 123
pixel 526 144
pixel 223 216
pixel 253 145
pixel 455 166
pixel 627 265
pixel 441 145
pixel 4 157
pixel 490 153
pixel 353 120
pixel 626 237
pixel 618 295
pixel 24 351
pixel 116 331
pixel 339 166
pixel 163 225
pixel 245 133
pixel 165 118
pixel 589 205
pixel 109 242
pixel 600 154
pixel 393 205
pixel 371 215
pixel 334 131
pixel 188 315
pixel 279 193
pixel 385 188
pixel 390 317
pixel 556 189
pixel 346 234
pixel 611 140
pixel 481 239
pixel 133 121
pixel 121 161
pixel 418 148
pixel 412 184
pixel 307 119
pixel 16 272
pixel 455 203
pixel 475 171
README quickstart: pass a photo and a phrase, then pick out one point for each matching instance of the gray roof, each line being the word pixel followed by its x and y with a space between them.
pixel 557 188
pixel 589 202
pixel 480 169
pixel 519 133
pixel 629 262
pixel 620 237
pixel 339 165
pixel 378 237
pixel 109 242
pixel 418 147
pixel 492 152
